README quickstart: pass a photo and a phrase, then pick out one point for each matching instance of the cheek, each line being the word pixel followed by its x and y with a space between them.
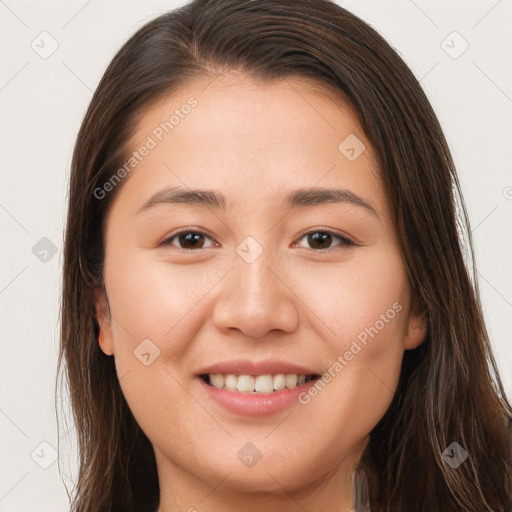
pixel 151 298
pixel 363 298
pixel 155 310
pixel 361 310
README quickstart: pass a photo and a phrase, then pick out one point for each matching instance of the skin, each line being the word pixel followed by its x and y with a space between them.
pixel 254 142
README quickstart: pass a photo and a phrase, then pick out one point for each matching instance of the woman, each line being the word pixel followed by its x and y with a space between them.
pixel 218 358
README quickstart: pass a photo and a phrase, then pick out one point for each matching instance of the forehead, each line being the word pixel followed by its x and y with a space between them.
pixel 264 136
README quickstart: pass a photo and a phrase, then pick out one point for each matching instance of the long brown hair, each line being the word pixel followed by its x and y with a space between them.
pixel 449 388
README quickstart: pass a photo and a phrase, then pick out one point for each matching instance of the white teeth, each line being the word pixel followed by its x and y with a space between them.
pixel 291 381
pixel 217 380
pixel 245 384
pixel 279 382
pixel 263 384
pixel 230 381
pixel 258 384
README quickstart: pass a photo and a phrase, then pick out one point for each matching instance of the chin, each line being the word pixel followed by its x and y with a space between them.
pixel 267 476
pixel 253 481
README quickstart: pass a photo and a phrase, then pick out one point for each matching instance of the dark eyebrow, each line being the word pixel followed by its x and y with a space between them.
pixel 297 199
pixel 318 196
pixel 188 196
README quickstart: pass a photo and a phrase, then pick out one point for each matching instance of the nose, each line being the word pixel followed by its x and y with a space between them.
pixel 256 298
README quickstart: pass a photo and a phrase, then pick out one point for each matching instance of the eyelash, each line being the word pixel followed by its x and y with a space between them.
pixel 346 242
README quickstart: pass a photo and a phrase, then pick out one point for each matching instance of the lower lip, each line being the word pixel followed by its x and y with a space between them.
pixel 254 404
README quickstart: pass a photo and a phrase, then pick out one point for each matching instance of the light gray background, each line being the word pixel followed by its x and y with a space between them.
pixel 42 102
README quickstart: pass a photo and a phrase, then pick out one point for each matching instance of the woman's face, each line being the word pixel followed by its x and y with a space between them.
pixel 273 281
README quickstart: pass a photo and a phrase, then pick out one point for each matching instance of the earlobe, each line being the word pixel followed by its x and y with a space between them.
pixel 416 327
pixel 105 338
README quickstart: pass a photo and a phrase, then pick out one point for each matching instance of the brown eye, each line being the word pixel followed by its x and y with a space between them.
pixel 188 240
pixel 322 240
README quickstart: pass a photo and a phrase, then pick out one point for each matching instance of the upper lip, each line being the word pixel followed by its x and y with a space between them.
pixel 262 367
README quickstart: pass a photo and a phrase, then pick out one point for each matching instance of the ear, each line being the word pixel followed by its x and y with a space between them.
pixel 105 338
pixel 416 327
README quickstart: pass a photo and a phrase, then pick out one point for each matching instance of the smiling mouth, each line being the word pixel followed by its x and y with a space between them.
pixel 256 383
